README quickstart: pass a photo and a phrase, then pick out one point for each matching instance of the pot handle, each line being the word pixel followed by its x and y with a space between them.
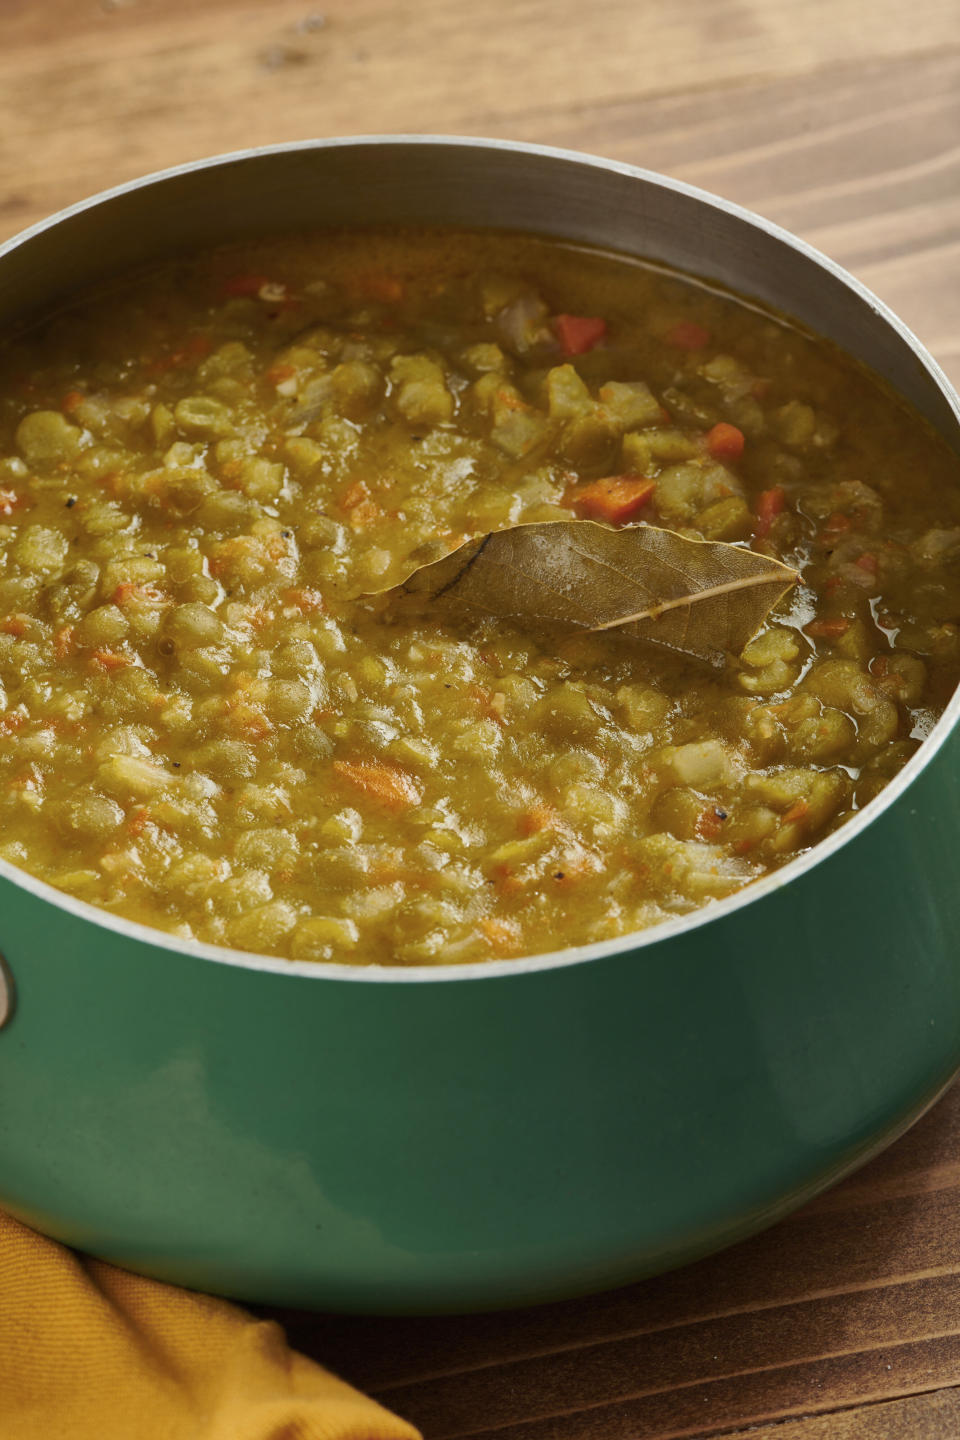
pixel 7 991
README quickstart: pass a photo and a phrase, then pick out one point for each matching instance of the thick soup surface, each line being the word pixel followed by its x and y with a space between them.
pixel 207 725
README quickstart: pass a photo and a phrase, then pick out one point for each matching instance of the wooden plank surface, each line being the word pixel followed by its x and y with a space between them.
pixel 842 122
pixel 845 131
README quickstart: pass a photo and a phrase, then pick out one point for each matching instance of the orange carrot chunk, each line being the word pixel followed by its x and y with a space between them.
pixel 245 284
pixel 540 817
pixel 278 373
pixel 129 590
pixel 138 821
pixel 63 641
pixel 828 629
pixel 377 285
pixel 503 934
pixel 354 495
pixel 301 598
pixel 578 333
pixel 710 823
pixel 614 498
pixel 688 335
pixel 769 505
pixel 385 784
pixel 725 442
pixel 10 501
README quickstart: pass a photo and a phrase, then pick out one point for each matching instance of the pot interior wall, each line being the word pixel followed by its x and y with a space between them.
pixel 470 183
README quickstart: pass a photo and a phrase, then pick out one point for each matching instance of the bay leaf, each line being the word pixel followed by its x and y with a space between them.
pixel 700 597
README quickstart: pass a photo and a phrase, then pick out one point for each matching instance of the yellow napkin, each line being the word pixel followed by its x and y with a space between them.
pixel 89 1352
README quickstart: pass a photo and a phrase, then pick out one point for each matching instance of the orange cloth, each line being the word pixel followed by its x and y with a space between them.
pixel 90 1352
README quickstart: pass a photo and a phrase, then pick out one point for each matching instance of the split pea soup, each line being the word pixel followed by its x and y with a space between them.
pixel 211 725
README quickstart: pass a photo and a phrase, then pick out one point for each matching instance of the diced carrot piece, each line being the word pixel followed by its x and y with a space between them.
pixel 725 442
pixel 891 683
pixel 867 562
pixel 837 522
pixel 278 373
pixel 540 817
pixel 688 335
pixel 579 333
pixel 508 882
pixel 71 400
pixel 63 641
pixel 769 505
pixel 129 590
pixel 110 659
pixel 364 514
pixel 196 348
pixel 504 934
pixel 231 474
pixel 828 629
pixel 354 495
pixel 138 821
pixel 797 811
pixel 363 510
pixel 574 869
pixel 276 548
pixel 251 724
pixel 509 401
pixel 245 284
pixel 377 285
pixel 10 501
pixel 614 498
pixel 710 823
pixel 14 625
pixel 385 784
pixel 303 599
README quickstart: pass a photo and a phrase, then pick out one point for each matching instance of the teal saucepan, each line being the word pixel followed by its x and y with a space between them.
pixel 471 1136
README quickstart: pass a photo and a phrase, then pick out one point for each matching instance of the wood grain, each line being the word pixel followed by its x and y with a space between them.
pixel 848 134
pixel 840 121
pixel 922 1417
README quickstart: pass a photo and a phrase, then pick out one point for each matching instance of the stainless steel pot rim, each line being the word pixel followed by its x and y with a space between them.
pixel 575 955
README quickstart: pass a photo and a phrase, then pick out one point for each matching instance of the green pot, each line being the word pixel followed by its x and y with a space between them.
pixel 460 1137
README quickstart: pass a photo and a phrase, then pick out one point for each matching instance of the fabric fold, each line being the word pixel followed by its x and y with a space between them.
pixel 92 1352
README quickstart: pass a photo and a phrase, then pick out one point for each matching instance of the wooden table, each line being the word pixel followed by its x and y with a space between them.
pixel 841 120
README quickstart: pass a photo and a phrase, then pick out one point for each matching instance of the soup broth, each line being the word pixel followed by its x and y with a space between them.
pixel 209 722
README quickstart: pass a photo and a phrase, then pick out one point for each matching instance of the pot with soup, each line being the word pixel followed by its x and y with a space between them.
pixel 374 951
